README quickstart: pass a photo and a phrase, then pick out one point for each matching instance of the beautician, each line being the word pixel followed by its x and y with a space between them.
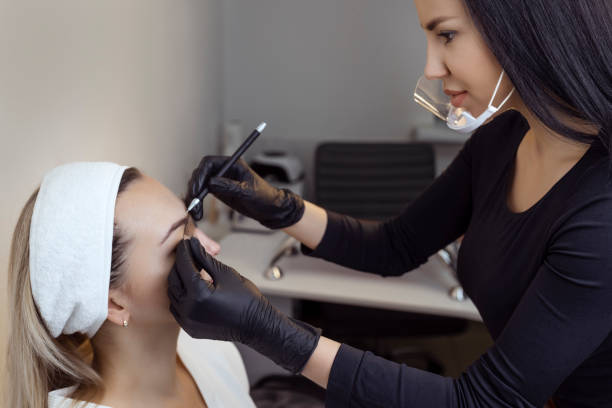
pixel 530 190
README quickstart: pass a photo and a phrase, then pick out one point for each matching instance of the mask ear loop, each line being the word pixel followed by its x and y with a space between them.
pixel 495 94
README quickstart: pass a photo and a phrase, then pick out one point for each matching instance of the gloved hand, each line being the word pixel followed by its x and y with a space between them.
pixel 246 192
pixel 232 308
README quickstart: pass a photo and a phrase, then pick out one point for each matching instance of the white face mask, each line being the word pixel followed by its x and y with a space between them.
pixel 430 95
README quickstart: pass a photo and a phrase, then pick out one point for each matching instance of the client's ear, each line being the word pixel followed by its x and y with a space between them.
pixel 117 311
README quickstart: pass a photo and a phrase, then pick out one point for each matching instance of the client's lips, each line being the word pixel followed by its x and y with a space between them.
pixel 457 97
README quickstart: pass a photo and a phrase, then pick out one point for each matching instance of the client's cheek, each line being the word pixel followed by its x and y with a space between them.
pixel 149 290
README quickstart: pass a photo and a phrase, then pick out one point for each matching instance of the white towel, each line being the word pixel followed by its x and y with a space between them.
pixel 71 239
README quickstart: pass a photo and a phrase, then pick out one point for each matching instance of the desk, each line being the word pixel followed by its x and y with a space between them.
pixel 423 290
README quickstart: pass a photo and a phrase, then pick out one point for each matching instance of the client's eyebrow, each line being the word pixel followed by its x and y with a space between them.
pixel 174 226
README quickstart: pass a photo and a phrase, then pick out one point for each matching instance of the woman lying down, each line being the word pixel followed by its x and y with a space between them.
pixel 91 324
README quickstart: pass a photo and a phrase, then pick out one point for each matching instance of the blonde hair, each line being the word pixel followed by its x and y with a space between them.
pixel 37 363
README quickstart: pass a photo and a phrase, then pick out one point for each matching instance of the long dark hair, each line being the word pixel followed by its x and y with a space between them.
pixel 558 54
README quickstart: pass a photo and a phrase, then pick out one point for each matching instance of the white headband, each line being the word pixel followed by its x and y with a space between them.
pixel 71 238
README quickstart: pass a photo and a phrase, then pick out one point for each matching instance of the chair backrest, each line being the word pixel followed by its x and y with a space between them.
pixel 371 180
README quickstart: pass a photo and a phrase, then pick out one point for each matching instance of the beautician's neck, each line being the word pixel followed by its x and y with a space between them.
pixel 548 146
pixel 138 362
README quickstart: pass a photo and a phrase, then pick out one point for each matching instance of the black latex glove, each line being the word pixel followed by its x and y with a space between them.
pixel 246 192
pixel 233 309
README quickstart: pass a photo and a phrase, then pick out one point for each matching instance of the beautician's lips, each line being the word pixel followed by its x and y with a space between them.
pixel 457 97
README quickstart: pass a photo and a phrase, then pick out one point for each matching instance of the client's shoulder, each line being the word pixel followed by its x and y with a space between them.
pixel 209 348
pixel 220 359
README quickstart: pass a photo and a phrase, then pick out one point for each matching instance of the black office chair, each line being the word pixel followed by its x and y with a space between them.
pixel 371 180
pixel 374 181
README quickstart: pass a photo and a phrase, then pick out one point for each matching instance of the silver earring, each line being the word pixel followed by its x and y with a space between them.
pixel 125 323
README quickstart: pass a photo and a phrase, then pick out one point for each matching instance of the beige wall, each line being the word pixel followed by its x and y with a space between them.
pixel 135 82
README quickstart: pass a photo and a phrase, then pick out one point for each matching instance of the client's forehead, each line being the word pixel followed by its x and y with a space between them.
pixel 147 207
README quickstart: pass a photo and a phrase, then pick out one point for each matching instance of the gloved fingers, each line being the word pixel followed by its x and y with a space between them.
pixel 175 285
pixel 223 186
pixel 174 296
pixel 209 165
pixel 201 257
pixel 198 250
pixel 197 212
pixel 183 267
pixel 210 265
pixel 189 270
pixel 211 246
pixel 206 277
pixel 189 326
pixel 238 171
pixel 177 316
pixel 194 186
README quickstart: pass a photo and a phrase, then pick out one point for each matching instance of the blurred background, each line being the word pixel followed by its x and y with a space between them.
pixel 155 84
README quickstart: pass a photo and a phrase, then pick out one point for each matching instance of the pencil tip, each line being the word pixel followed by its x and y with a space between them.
pixel 193 203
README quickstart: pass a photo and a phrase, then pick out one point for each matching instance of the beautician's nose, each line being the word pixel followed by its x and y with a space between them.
pixel 434 67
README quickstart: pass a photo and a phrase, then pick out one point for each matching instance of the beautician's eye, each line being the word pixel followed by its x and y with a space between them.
pixel 449 35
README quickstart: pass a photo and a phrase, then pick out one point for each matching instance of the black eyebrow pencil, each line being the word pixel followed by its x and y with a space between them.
pixel 230 162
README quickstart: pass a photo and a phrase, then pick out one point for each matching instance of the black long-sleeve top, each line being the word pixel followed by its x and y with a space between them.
pixel 541 280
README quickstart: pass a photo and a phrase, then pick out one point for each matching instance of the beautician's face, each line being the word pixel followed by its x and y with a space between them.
pixel 457 55
pixel 146 212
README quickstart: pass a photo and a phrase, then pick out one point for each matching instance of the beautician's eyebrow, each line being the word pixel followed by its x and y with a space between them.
pixel 434 23
pixel 174 226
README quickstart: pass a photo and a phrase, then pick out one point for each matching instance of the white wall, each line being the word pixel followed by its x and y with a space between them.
pixel 323 70
pixel 136 82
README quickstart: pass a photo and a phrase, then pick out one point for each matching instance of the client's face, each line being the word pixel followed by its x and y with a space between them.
pixel 153 219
